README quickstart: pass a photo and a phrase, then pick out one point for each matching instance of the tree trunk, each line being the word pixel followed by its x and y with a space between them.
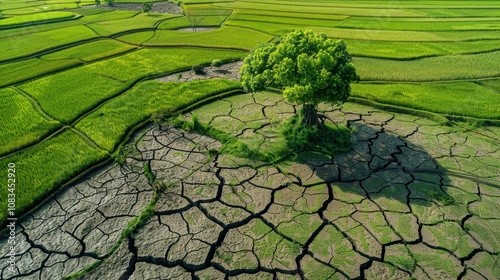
pixel 310 115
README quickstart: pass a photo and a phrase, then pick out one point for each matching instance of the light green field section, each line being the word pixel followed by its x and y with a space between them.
pixel 227 37
pixel 139 21
pixel 183 22
pixel 395 24
pixel 407 50
pixel 369 34
pixel 24 45
pixel 34 18
pixel 47 64
pixel 90 51
pixel 67 95
pixel 21 123
pixel 460 98
pixel 109 124
pixel 46 166
pixel 319 9
pixel 473 66
pixel 137 38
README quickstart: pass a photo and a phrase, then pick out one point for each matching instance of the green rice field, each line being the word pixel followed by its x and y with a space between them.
pixel 76 79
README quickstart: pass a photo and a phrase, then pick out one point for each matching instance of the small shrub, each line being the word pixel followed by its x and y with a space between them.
pixel 198 70
pixel 216 63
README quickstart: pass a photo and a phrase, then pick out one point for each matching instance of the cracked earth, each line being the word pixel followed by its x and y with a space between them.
pixel 412 198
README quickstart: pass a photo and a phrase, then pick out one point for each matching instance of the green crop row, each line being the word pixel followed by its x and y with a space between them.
pixel 406 50
pixel 288 7
pixel 225 37
pixel 67 95
pixel 21 124
pixel 183 22
pixel 41 170
pixel 108 125
pixel 384 24
pixel 137 38
pixel 30 43
pixel 295 15
pixel 33 18
pixel 139 21
pixel 458 98
pixel 285 20
pixel 32 68
pixel 454 67
pixel 368 34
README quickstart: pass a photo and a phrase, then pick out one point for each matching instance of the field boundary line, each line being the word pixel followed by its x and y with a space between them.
pixel 36 105
pixel 494 77
pixel 87 139
pixel 32 145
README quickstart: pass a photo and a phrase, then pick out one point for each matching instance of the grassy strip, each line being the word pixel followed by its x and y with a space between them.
pixel 460 98
pixel 369 34
pixel 286 20
pixel 109 124
pixel 390 24
pixel 295 15
pixel 228 37
pixel 290 7
pixel 34 18
pixel 15 72
pixel 67 95
pixel 21 124
pixel 39 171
pixel 137 38
pixel 406 50
pixel 90 51
pixel 139 21
pixel 430 69
pixel 31 43
pixel 183 22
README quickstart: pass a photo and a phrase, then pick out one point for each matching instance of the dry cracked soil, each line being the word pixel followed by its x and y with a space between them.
pixel 411 199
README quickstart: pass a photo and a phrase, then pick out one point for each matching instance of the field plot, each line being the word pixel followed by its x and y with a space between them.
pixel 21 123
pixel 226 37
pixel 34 18
pixel 17 46
pixel 67 95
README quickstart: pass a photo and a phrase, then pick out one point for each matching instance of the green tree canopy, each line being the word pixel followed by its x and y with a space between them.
pixel 309 68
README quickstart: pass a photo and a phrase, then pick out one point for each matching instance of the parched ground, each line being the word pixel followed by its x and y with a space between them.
pixel 412 198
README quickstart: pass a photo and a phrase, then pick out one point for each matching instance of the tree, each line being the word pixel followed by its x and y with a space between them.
pixel 309 68
pixel 146 7
pixel 78 3
pixel 97 3
pixel 111 3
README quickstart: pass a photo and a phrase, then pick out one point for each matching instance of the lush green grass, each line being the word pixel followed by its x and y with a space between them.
pixel 109 124
pixel 391 24
pixel 286 20
pixel 42 169
pixel 30 43
pixel 459 98
pixel 183 22
pixel 21 124
pixel 141 20
pixel 320 9
pixel 90 51
pixel 137 38
pixel 32 68
pixel 67 95
pixel 34 18
pixel 295 15
pixel 407 50
pixel 226 37
pixel 430 69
